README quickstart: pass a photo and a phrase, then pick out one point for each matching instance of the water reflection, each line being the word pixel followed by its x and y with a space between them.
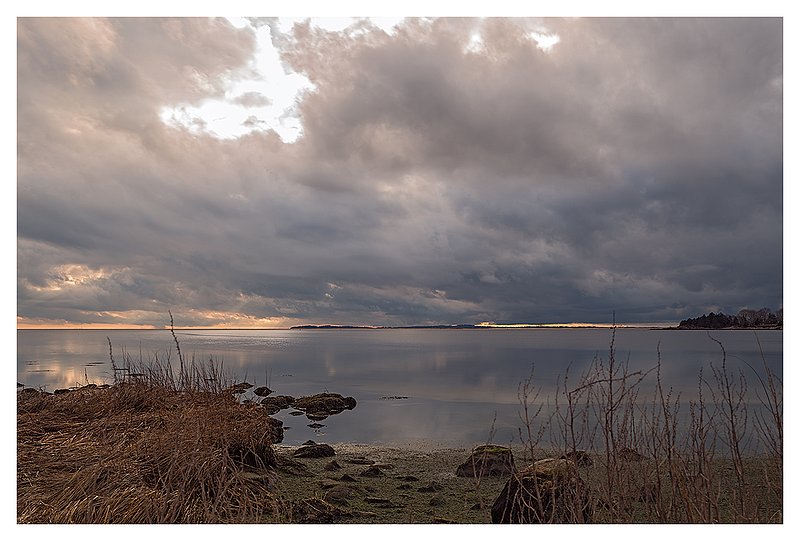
pixel 460 383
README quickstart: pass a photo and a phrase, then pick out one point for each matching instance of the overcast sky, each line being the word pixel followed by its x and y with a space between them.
pixel 279 172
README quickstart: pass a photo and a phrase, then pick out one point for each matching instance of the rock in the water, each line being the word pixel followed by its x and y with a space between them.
pixel 295 413
pixel 316 425
pixel 317 407
pixel 332 466
pixel 237 388
pixel 262 391
pixel 548 491
pixel 487 460
pixel 309 442
pixel 317 450
pixel 274 404
pixel 581 458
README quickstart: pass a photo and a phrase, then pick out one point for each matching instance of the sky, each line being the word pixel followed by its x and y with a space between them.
pixel 276 172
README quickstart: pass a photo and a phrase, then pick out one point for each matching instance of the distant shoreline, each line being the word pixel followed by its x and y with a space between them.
pixel 423 327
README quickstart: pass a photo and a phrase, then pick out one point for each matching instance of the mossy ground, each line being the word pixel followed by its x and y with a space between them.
pixel 455 499
pixel 391 499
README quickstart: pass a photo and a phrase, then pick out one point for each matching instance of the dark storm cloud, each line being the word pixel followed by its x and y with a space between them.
pixel 636 167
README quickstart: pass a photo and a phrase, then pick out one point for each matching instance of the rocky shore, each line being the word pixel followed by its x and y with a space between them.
pixel 136 453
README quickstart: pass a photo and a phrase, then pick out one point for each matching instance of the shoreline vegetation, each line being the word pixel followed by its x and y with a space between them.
pixel 745 319
pixel 193 445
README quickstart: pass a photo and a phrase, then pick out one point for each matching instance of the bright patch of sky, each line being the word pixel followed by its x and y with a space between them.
pixel 266 99
pixel 475 44
pixel 545 41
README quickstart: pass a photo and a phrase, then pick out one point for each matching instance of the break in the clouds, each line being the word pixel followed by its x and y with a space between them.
pixel 265 172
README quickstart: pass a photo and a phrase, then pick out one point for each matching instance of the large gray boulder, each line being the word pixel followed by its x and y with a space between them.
pixel 548 491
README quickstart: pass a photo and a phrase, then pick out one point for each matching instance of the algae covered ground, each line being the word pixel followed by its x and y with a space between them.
pixel 387 485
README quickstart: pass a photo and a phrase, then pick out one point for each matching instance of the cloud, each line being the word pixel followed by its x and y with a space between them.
pixel 633 166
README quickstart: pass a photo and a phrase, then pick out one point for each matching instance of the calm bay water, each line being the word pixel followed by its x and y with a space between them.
pixel 459 383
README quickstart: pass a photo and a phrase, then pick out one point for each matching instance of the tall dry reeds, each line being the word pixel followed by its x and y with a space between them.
pixel 656 457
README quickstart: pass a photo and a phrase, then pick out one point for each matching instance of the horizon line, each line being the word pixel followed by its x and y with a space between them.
pixel 333 326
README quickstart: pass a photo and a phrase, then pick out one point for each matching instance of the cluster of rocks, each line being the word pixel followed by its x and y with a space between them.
pixel 316 407
pixel 23 391
pixel 550 490
pixel 547 491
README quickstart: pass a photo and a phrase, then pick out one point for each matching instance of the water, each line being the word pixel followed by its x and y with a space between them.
pixel 460 384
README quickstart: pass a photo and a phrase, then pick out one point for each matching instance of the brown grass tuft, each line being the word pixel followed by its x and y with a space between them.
pixel 143 453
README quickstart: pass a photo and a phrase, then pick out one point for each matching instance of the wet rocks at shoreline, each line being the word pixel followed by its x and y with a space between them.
pixel 320 406
pixel 274 404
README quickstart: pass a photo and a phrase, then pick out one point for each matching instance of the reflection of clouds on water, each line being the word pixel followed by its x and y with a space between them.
pixel 455 380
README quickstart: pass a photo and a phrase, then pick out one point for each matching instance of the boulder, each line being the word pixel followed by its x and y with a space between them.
pixel 319 406
pixel 487 460
pixel 274 404
pixel 262 391
pixel 548 491
pixel 581 458
pixel 275 428
pixel 316 450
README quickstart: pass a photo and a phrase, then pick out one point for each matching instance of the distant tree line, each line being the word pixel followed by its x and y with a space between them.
pixel 745 319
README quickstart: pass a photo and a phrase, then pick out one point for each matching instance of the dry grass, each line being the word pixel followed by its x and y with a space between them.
pixel 659 458
pixel 142 453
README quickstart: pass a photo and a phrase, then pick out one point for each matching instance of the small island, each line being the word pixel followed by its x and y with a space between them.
pixel 744 319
